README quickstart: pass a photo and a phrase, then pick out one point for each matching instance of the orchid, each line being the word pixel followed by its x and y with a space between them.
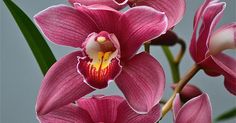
pixel 196 110
pixel 100 109
pixel 173 13
pixel 108 40
pixel 207 48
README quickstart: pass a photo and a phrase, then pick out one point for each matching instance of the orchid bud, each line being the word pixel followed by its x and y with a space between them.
pixel 188 92
pixel 168 39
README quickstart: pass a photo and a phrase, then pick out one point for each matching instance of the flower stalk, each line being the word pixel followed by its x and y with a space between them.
pixel 147 47
pixel 174 62
pixel 193 70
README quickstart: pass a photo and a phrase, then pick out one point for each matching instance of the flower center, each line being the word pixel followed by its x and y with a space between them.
pixel 101 61
pixel 101 51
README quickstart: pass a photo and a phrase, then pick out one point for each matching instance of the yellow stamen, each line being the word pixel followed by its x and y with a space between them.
pixel 102 60
pixel 106 61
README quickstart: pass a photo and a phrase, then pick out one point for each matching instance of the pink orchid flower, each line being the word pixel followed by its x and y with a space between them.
pixel 173 13
pixel 109 41
pixel 196 110
pixel 207 48
pixel 188 92
pixel 100 109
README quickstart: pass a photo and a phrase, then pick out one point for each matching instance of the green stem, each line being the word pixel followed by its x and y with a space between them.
pixel 147 47
pixel 174 66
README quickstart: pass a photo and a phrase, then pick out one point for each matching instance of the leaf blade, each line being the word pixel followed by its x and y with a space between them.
pixel 227 115
pixel 35 40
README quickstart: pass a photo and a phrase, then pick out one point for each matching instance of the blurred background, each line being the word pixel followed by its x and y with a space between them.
pixel 21 76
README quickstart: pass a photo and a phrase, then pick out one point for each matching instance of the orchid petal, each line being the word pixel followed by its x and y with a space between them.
pixel 142 82
pixel 224 38
pixel 176 106
pixel 65 25
pixel 126 115
pixel 61 85
pixel 197 17
pixel 230 84
pixel 66 114
pixel 104 16
pixel 197 110
pixel 211 17
pixel 173 13
pixel 109 3
pixel 228 69
pixel 138 25
pixel 188 92
pixel 101 108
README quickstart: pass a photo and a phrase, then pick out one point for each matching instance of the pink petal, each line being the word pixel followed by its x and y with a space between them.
pixel 126 115
pixel 176 106
pixel 188 92
pixel 211 17
pixel 101 108
pixel 230 84
pixel 174 9
pixel 198 16
pixel 120 2
pixel 222 39
pixel 61 85
pixel 209 67
pixel 65 26
pixel 109 3
pixel 197 110
pixel 138 25
pixel 106 18
pixel 66 114
pixel 227 66
pixel 142 81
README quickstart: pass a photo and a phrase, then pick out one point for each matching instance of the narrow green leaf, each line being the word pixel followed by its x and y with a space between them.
pixel 227 115
pixel 35 40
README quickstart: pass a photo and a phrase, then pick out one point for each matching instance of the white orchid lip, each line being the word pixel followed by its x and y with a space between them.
pixel 222 40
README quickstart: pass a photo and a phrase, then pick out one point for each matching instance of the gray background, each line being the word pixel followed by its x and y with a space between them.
pixel 21 76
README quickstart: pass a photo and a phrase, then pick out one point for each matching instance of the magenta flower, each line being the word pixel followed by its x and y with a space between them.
pixel 173 13
pixel 207 48
pixel 196 110
pixel 188 92
pixel 100 109
pixel 109 41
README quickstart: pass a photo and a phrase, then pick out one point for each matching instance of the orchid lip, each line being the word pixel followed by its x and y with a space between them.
pixel 100 62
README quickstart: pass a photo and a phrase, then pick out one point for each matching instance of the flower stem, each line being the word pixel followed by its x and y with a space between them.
pixel 173 65
pixel 147 47
pixel 181 52
pixel 174 62
pixel 193 70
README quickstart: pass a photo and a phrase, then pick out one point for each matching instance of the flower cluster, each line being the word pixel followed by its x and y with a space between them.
pixel 107 41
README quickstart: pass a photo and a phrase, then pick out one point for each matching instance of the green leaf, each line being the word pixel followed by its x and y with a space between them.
pixel 35 40
pixel 227 115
